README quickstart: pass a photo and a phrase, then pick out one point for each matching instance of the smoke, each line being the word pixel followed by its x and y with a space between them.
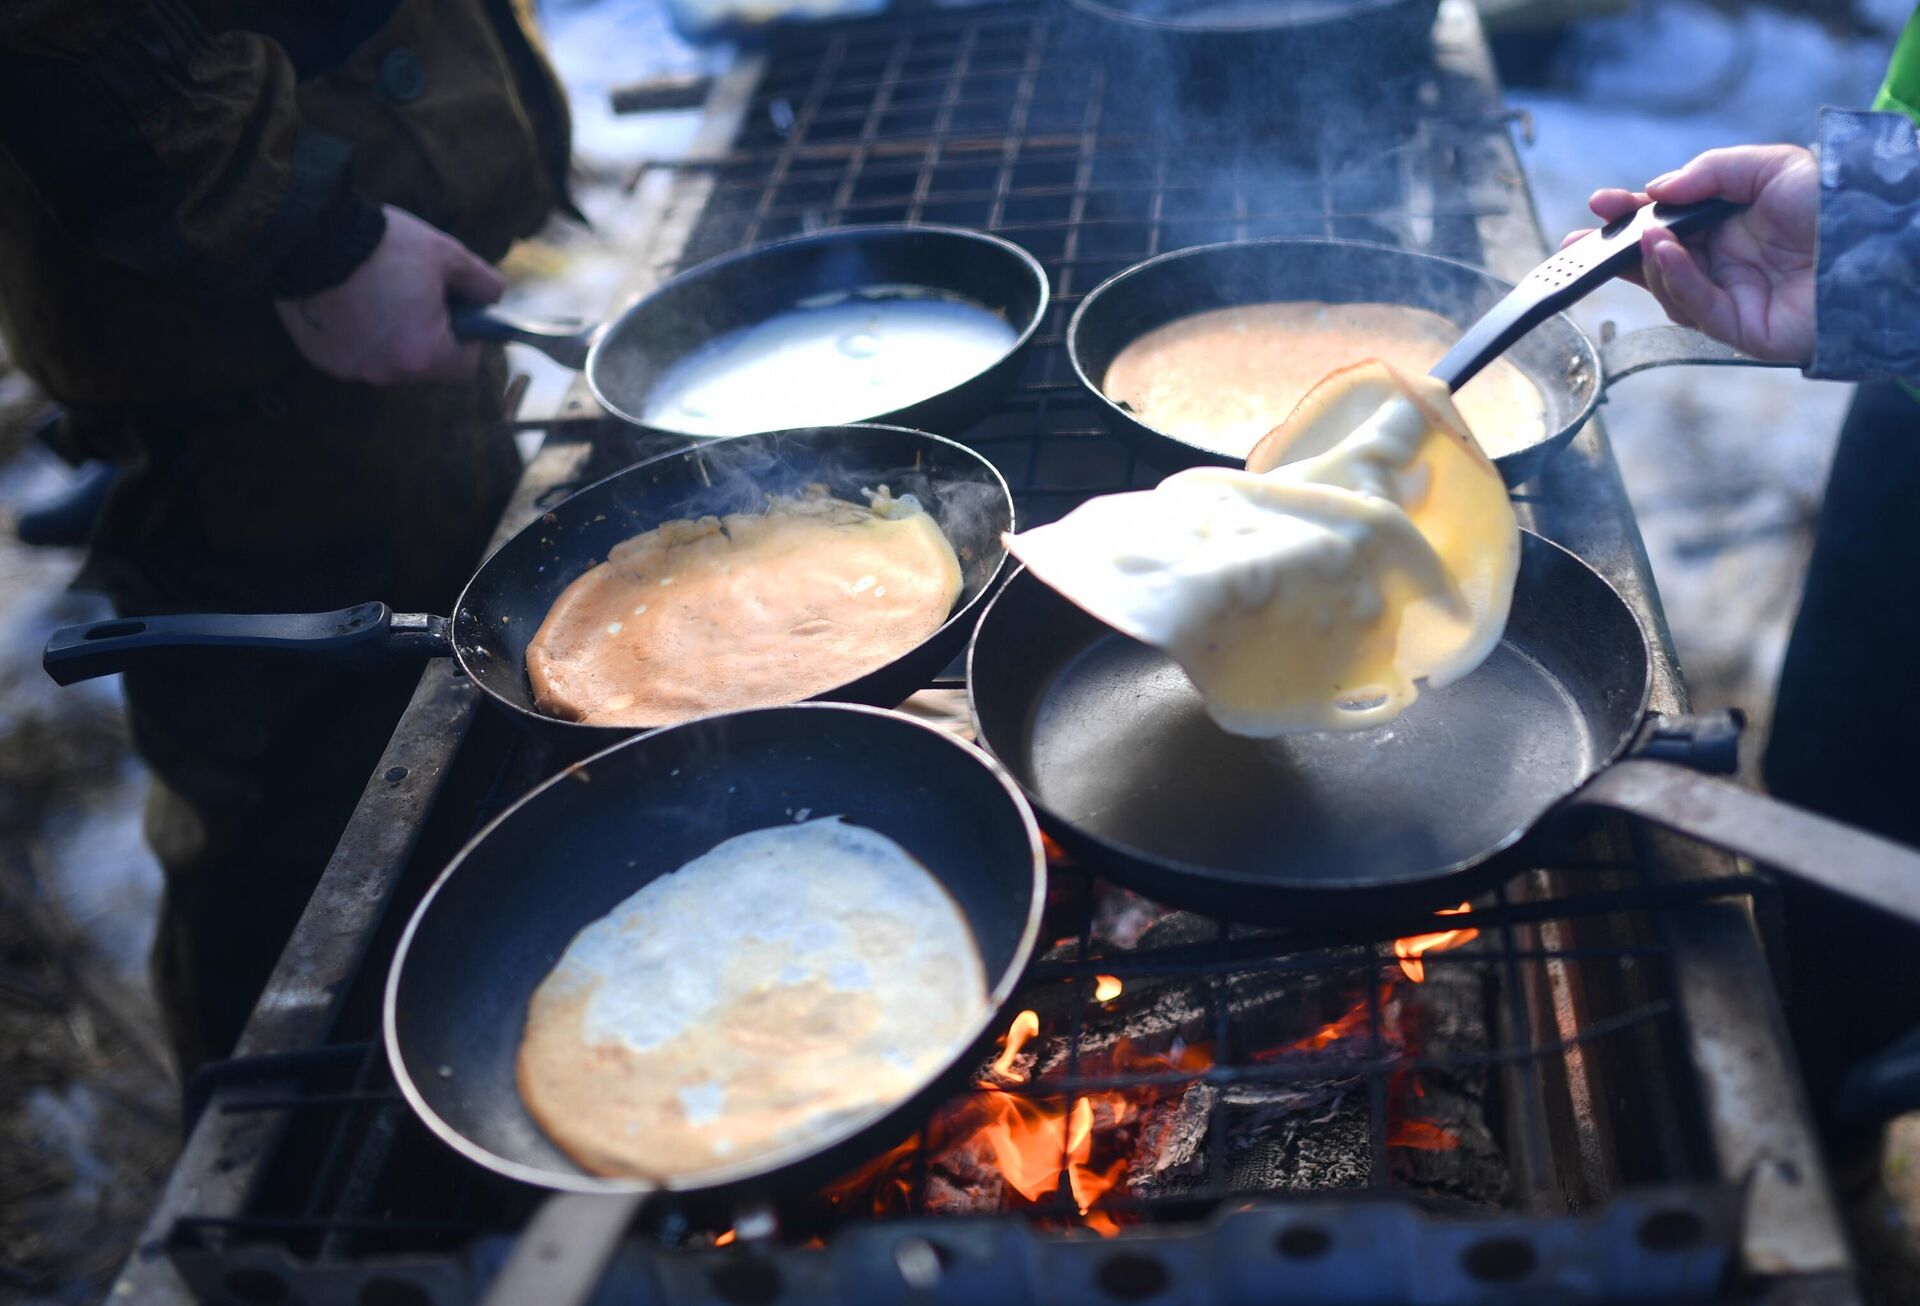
pixel 960 490
pixel 1256 72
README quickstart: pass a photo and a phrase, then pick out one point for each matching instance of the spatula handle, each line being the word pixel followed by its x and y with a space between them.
pixel 1567 277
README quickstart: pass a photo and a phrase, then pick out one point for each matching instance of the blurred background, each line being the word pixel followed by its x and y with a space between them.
pixel 1726 476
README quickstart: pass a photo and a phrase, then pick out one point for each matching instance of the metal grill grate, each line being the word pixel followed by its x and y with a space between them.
pixel 996 120
pixel 987 118
pixel 356 1175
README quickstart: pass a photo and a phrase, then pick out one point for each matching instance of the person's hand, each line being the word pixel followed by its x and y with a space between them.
pixel 387 322
pixel 1748 281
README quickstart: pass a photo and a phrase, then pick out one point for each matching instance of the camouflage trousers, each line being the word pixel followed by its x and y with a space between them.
pixel 316 496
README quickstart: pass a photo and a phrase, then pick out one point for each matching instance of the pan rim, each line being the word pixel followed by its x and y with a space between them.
pixel 971 609
pixel 1512 463
pixel 998 995
pixel 722 262
pixel 1225 877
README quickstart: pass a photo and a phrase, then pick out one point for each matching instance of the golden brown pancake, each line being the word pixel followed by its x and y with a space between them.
pixel 764 995
pixel 750 610
pixel 1224 378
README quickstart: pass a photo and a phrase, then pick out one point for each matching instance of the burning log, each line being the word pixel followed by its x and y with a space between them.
pixel 1446 1144
pixel 1301 1154
pixel 1160 1015
pixel 1289 1110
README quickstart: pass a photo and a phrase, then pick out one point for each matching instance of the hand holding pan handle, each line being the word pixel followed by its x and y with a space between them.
pixel 360 635
pixel 1875 872
pixel 1567 277
pixel 566 342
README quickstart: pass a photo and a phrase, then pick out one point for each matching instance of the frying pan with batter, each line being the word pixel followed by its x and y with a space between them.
pixel 626 358
pixel 507 599
pixel 1523 323
pixel 499 917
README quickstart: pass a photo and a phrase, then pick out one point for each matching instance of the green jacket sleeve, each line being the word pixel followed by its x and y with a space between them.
pixel 178 151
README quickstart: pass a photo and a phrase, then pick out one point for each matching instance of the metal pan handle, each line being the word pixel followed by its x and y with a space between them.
pixel 363 634
pixel 564 1249
pixel 1866 868
pixel 565 342
pixel 1670 346
pixel 1567 277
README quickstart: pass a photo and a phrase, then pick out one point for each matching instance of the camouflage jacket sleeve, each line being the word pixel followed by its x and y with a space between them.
pixel 1867 269
pixel 176 150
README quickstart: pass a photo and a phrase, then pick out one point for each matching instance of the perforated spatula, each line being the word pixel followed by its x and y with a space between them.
pixel 1569 276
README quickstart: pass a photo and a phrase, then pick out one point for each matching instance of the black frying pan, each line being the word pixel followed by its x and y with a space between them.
pixel 1110 742
pixel 496 921
pixel 625 358
pixel 1523 323
pixel 507 599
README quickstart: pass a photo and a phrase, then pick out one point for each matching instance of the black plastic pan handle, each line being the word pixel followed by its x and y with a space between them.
pixel 363 634
pixel 1866 868
pixel 1567 277
pixel 566 343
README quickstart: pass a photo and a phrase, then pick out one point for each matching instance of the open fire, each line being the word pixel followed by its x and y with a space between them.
pixel 1011 1145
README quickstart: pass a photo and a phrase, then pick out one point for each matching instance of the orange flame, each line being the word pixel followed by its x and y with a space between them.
pixel 1409 950
pixel 1025 1026
pixel 726 1238
pixel 1027 1141
pixel 1035 1144
pixel 1346 1027
pixel 1032 1141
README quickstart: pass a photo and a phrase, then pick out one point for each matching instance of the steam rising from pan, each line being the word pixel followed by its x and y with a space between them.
pixel 512 594
pixel 1244 68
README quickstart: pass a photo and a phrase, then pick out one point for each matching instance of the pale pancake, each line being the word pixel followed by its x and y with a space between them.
pixel 750 610
pixel 873 352
pixel 1223 378
pixel 762 996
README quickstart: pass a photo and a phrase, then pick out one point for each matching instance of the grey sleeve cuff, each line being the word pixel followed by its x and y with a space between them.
pixel 1867 261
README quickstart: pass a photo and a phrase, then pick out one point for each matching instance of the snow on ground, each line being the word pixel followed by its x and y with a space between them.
pixel 94 861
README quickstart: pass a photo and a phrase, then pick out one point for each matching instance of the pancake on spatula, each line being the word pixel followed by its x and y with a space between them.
pixel 1369 544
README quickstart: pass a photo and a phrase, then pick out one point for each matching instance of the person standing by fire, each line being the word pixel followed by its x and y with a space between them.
pixel 1819 271
pixel 229 232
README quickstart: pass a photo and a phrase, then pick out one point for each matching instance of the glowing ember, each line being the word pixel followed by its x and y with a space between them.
pixel 1422 1134
pixel 1106 987
pixel 1410 950
pixel 1024 1027
pixel 725 1238
pixel 1346 1027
